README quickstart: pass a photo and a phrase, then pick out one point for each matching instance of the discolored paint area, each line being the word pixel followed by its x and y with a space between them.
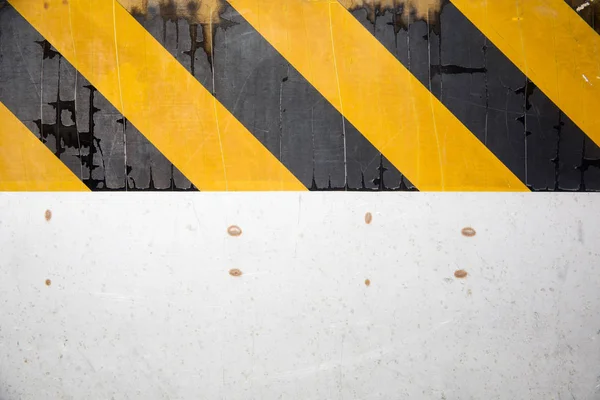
pixel 205 13
pixel 404 11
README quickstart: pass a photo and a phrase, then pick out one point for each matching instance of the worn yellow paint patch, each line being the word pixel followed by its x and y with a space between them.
pixel 153 91
pixel 378 95
pixel 552 45
pixel 26 164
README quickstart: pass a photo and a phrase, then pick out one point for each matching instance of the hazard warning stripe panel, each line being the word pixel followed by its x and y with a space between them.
pixel 268 96
pixel 73 119
pixel 26 164
pixel 378 95
pixel 177 114
pixel 486 91
pixel 552 45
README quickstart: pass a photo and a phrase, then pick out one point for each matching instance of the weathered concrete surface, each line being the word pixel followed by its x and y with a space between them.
pixel 132 296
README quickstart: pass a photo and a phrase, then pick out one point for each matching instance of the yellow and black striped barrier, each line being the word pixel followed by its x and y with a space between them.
pixel 266 95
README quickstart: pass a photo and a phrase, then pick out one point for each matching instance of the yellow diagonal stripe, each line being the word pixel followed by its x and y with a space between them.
pixel 165 102
pixel 552 45
pixel 26 164
pixel 381 98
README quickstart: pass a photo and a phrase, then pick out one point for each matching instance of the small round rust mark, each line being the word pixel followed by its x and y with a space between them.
pixel 48 282
pixel 468 232
pixel 46 5
pixel 48 215
pixel 460 273
pixel 235 272
pixel 368 217
pixel 367 282
pixel 234 230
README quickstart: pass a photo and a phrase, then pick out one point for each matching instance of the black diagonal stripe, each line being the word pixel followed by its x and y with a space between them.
pixel 489 94
pixel 269 97
pixel 73 119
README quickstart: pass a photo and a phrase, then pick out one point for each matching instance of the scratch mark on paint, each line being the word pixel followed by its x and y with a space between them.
pixel 584 5
pixel 122 108
pixel 337 78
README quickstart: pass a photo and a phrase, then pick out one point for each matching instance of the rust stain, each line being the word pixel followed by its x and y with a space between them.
pixel 235 272
pixel 234 230
pixel 48 282
pixel 48 215
pixel 460 273
pixel 46 5
pixel 468 232
pixel 404 11
pixel 367 282
pixel 368 218
pixel 206 13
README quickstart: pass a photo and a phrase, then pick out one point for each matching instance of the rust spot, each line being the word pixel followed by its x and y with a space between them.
pixel 46 5
pixel 234 230
pixel 368 217
pixel 367 282
pixel 48 215
pixel 403 11
pixel 460 273
pixel 468 232
pixel 206 13
pixel 235 272
pixel 48 282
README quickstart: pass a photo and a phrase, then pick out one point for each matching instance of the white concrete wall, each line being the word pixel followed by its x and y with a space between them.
pixel 141 305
